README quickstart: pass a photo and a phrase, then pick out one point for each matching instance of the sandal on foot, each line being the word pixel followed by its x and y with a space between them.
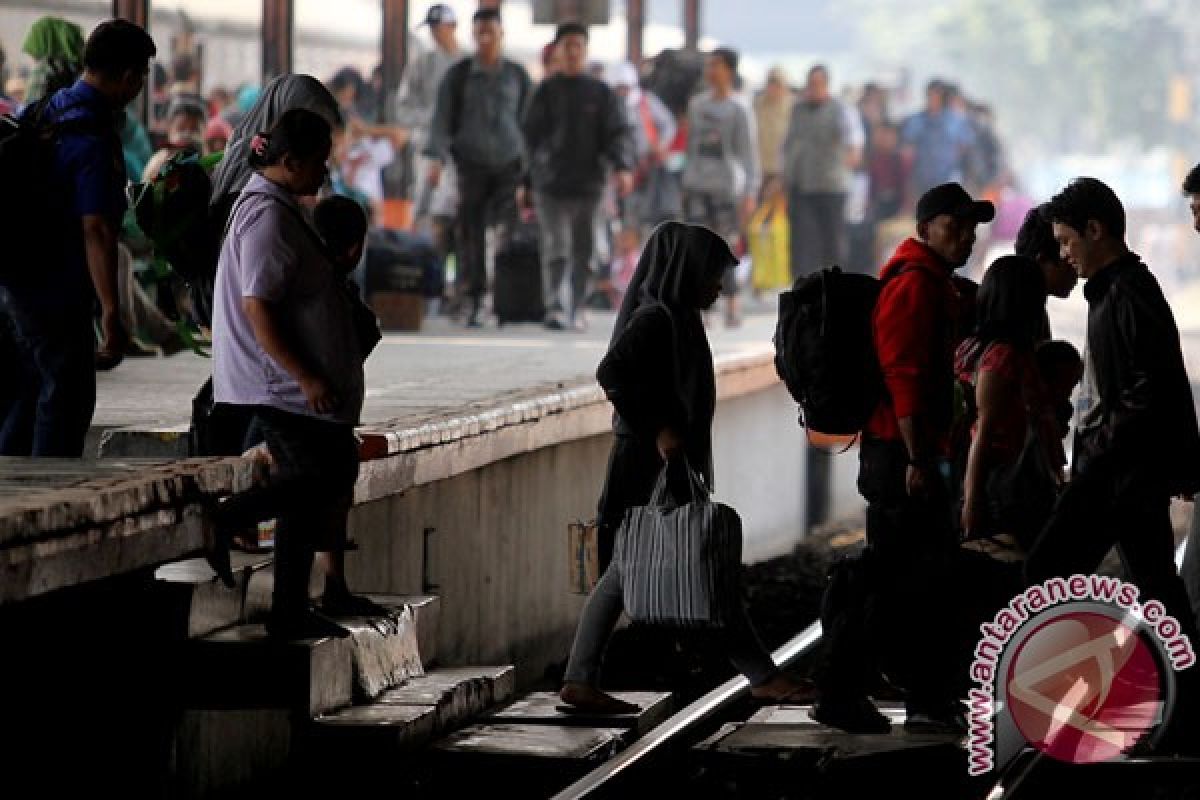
pixel 803 696
pixel 594 701
pixel 622 710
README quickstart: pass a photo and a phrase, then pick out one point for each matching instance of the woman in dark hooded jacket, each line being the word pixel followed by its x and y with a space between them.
pixel 658 374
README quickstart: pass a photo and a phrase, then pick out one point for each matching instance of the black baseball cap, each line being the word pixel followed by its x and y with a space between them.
pixel 951 198
pixel 440 14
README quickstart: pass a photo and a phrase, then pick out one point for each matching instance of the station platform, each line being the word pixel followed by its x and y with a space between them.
pixel 413 379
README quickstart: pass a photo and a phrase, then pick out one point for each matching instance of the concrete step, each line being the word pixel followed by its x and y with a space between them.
pixel 409 716
pixel 541 759
pixel 458 693
pixel 199 600
pixel 242 668
pixel 541 708
pixel 385 649
pixel 782 744
pixel 426 609
pixel 529 743
pixel 517 742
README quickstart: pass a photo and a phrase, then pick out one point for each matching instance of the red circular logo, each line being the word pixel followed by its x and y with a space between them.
pixel 1084 687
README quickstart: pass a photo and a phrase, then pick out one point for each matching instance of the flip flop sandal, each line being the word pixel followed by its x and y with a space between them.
pixel 580 711
pixel 803 696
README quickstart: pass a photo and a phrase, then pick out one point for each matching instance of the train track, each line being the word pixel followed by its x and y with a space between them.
pixel 684 726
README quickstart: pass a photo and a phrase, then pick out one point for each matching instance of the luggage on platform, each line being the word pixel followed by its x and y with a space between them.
pixel 517 285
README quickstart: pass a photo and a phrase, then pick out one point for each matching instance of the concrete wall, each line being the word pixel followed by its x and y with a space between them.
pixel 498 553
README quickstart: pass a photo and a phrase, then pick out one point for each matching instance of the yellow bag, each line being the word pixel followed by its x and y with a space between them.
pixel 769 245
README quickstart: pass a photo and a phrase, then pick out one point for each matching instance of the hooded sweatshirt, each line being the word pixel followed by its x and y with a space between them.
pixel 914 330
pixel 658 371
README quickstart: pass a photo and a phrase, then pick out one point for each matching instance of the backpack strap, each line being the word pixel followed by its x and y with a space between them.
pixel 36 116
pixel 295 212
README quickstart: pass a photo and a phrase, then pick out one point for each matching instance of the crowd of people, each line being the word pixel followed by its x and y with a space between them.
pixel 802 170
pixel 962 461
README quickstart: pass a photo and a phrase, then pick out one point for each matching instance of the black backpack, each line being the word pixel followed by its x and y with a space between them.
pixel 675 76
pixel 825 350
pixel 31 204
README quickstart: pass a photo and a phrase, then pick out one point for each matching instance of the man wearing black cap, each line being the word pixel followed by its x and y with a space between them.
pixel 902 476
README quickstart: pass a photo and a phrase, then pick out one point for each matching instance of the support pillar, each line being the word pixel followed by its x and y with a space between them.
pixel 635 24
pixel 395 52
pixel 691 24
pixel 278 28
pixel 136 11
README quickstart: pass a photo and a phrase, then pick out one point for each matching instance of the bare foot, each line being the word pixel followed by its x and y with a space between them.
pixel 785 690
pixel 590 699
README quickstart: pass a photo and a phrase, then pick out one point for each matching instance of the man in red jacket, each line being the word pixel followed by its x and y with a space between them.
pixel 903 477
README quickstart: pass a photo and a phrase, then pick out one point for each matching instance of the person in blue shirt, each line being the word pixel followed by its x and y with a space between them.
pixel 50 305
pixel 936 141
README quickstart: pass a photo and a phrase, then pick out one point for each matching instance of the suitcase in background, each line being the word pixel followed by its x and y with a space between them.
pixel 392 257
pixel 399 302
pixel 517 285
pixel 399 310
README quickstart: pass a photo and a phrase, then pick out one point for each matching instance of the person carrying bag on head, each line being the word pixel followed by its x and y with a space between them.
pixel 658 374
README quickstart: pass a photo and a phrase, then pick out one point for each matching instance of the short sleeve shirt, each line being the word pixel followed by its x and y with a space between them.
pixel 940 142
pixel 1011 428
pixel 89 172
pixel 271 254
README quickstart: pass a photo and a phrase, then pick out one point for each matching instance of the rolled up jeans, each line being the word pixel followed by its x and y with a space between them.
pixel 603 609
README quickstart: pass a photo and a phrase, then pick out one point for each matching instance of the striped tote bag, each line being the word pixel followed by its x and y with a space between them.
pixel 680 562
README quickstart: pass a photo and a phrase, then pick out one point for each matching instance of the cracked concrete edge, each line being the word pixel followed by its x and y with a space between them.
pixel 36 567
pixel 397 459
pixel 88 496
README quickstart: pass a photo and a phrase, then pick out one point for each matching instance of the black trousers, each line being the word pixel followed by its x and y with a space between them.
pixel 485 196
pixel 1091 517
pixel 309 494
pixel 818 230
pixel 892 609
pixel 1190 571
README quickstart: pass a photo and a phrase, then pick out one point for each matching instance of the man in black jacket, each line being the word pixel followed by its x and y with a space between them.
pixel 1136 441
pixel 1190 570
pixel 575 130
